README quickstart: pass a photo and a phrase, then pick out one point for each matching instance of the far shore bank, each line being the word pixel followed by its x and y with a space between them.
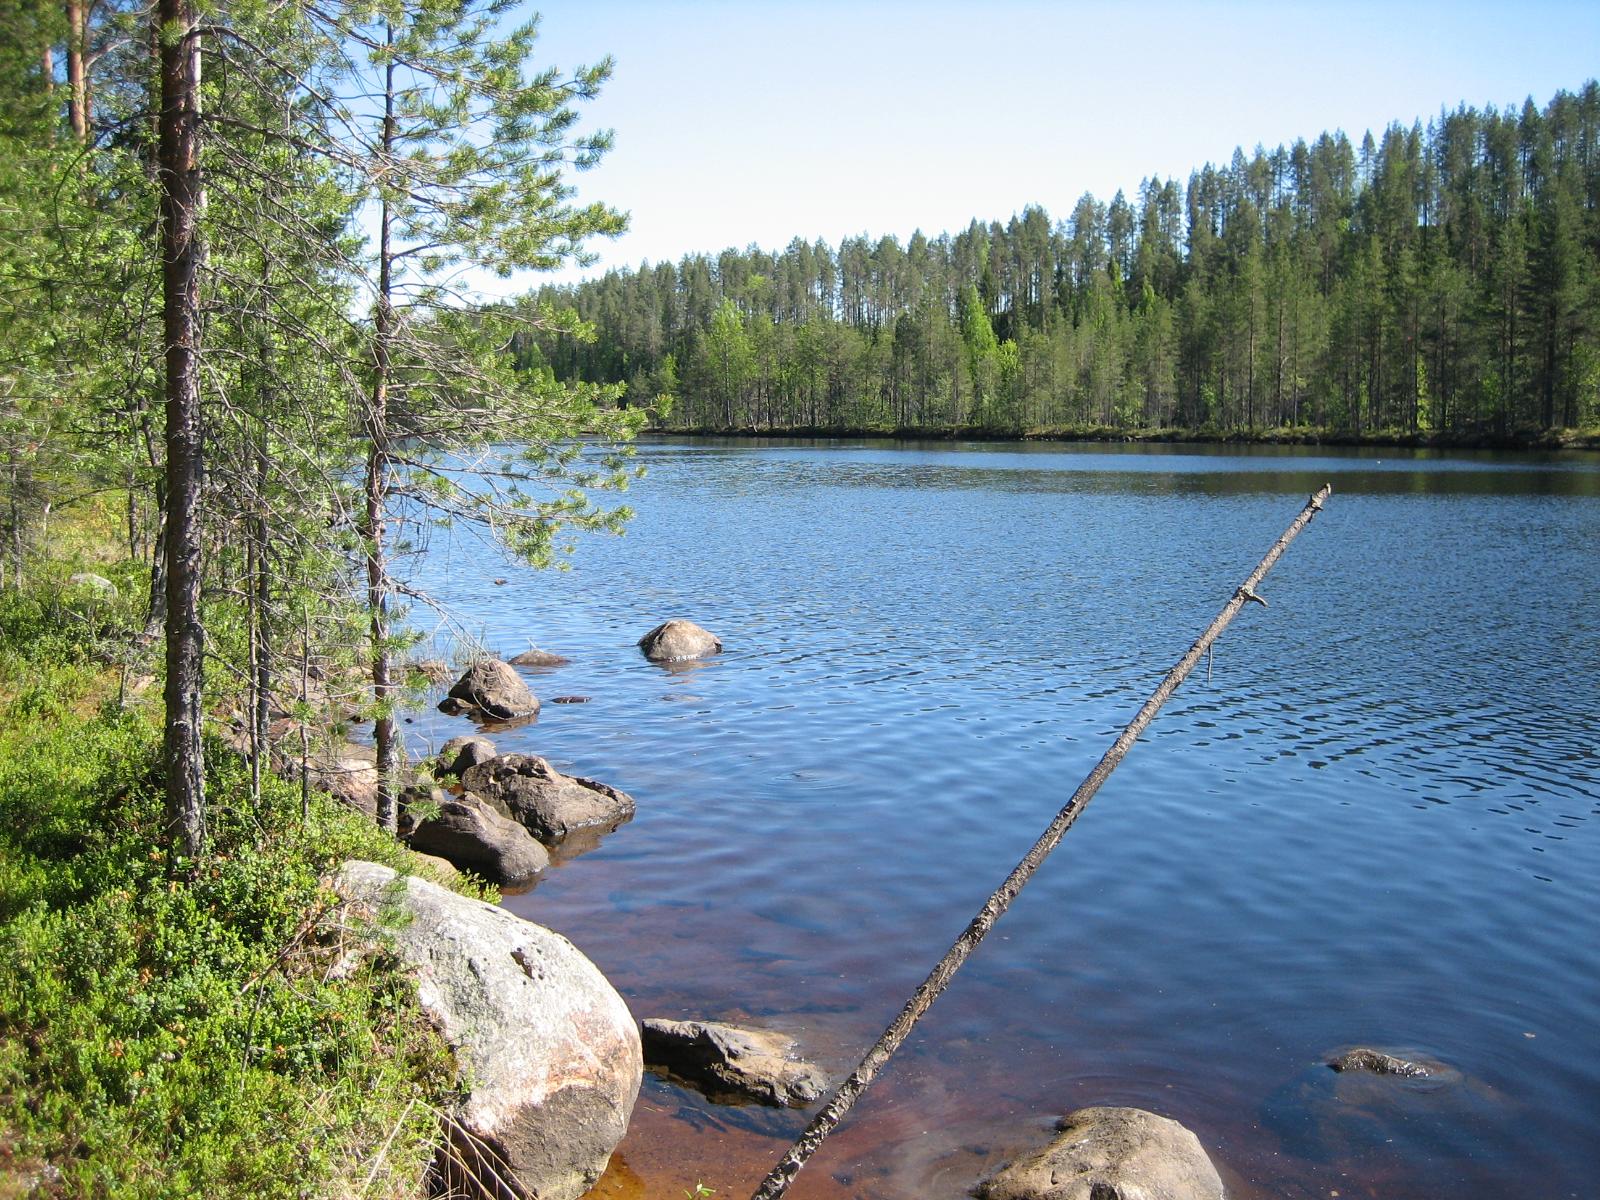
pixel 1555 439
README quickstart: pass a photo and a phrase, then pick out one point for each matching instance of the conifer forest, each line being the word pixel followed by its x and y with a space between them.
pixel 1438 278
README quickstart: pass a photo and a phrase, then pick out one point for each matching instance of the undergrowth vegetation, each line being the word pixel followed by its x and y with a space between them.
pixel 170 1027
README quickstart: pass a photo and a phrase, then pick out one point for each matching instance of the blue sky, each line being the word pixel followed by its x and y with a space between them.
pixel 759 121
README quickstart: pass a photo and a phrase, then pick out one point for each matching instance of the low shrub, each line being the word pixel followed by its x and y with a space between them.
pixel 171 1027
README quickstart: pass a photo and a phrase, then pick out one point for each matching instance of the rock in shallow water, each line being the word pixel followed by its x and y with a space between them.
pixel 677 640
pixel 727 1062
pixel 546 1044
pixel 1379 1062
pixel 471 835
pixel 493 689
pixel 539 658
pixel 460 753
pixel 1111 1154
pixel 551 805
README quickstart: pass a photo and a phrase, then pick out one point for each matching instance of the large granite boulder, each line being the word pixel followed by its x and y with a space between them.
pixel 729 1063
pixel 491 689
pixel 551 805
pixel 1111 1154
pixel 460 753
pixel 545 1043
pixel 471 835
pixel 677 640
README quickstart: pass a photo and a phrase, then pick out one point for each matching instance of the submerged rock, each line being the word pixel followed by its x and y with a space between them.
pixel 1378 1062
pixel 493 689
pixel 727 1062
pixel 539 658
pixel 1355 1113
pixel 1111 1154
pixel 460 753
pixel 471 835
pixel 551 805
pixel 677 640
pixel 545 1044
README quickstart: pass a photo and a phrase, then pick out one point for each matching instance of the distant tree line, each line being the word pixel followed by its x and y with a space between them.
pixel 1443 278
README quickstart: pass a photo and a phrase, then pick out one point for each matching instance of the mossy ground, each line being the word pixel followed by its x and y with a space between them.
pixel 172 1028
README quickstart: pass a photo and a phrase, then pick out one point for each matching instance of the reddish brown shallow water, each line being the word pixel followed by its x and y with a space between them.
pixel 1374 823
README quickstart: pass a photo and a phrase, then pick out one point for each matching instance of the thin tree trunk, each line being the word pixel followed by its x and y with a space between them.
pixel 1548 392
pixel 1250 375
pixel 261 642
pixel 156 607
pixel 377 486
pixel 305 693
pixel 1277 384
pixel 182 196
pixel 153 142
pixel 77 81
pixel 252 695
pixel 133 514
pixel 258 578
pixel 15 498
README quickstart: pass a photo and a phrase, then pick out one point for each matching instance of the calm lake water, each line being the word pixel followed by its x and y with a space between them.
pixel 1376 822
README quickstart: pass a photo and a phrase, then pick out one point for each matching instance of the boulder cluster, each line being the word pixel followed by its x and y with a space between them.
pixel 501 816
pixel 548 1055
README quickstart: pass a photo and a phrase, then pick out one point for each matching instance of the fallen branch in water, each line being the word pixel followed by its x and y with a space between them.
pixel 782 1175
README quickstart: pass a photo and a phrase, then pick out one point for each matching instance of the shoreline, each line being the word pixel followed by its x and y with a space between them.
pixel 1580 440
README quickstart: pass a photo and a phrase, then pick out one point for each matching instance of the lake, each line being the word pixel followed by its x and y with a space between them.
pixel 1373 819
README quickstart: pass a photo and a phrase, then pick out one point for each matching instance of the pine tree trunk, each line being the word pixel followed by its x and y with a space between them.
pixel 383 734
pixel 377 488
pixel 77 81
pixel 182 196
pixel 261 641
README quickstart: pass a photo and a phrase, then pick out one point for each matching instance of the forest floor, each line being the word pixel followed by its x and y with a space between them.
pixel 167 1026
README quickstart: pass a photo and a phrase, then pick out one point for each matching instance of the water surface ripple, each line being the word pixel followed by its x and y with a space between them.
pixel 1376 821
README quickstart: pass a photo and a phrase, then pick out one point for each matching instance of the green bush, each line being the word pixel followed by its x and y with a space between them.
pixel 173 1028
